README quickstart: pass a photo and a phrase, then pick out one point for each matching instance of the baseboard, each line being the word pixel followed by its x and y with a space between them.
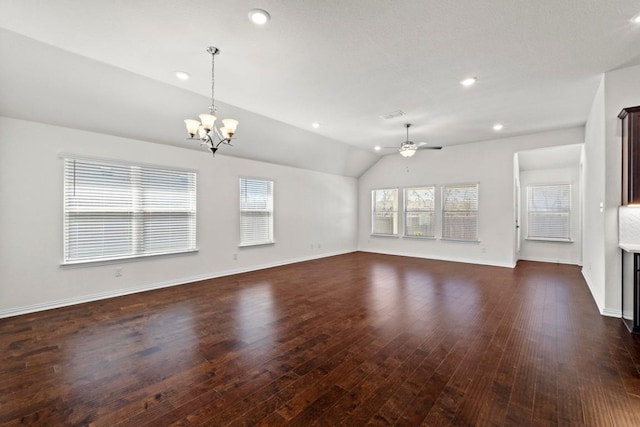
pixel 276 264
pixel 603 310
pixel 589 283
pixel 610 312
pixel 550 260
pixel 159 285
pixel 439 258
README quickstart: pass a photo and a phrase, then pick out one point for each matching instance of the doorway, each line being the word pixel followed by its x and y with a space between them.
pixel 548 199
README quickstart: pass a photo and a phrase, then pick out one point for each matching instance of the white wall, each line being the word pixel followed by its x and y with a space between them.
pixel 315 215
pixel 593 266
pixel 517 208
pixel 622 89
pixel 560 252
pixel 488 163
pixel 601 255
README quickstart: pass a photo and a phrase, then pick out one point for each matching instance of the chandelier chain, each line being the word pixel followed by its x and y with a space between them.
pixel 213 58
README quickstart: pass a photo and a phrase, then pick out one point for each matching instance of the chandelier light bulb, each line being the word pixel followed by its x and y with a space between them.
pixel 230 125
pixel 208 121
pixel 192 126
pixel 202 133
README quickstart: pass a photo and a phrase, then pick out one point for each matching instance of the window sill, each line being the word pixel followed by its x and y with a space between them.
pixel 384 235
pixel 542 239
pixel 118 260
pixel 250 245
pixel 420 237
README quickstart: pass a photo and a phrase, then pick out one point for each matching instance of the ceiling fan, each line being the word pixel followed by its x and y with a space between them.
pixel 408 148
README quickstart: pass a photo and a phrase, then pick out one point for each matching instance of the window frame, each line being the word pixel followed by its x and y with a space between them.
pixel 568 212
pixel 432 211
pixel 271 210
pixel 443 211
pixel 136 211
pixel 396 224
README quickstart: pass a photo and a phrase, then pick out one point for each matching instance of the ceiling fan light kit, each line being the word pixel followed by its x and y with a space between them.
pixel 205 129
pixel 408 149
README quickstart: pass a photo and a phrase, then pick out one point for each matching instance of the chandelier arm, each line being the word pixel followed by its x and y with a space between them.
pixel 207 140
pixel 217 132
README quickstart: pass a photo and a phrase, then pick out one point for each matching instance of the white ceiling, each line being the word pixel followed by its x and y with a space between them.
pixel 341 63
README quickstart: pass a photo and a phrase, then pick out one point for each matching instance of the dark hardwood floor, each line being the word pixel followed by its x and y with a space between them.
pixel 349 340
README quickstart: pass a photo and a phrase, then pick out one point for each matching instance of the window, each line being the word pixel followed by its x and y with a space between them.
pixel 460 212
pixel 256 212
pixel 114 211
pixel 419 212
pixel 384 204
pixel 549 212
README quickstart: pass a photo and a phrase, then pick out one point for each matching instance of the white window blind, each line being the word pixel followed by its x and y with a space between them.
pixel 460 212
pixel 114 211
pixel 384 206
pixel 419 211
pixel 549 212
pixel 256 212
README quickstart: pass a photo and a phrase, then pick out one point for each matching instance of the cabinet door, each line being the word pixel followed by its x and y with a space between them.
pixel 630 155
pixel 629 273
pixel 636 294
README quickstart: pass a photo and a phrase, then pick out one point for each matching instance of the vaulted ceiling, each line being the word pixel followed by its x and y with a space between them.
pixel 108 66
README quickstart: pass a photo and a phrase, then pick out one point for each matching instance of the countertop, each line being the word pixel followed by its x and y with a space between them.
pixel 629 247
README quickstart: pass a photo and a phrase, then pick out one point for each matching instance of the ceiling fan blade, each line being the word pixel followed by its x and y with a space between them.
pixel 429 148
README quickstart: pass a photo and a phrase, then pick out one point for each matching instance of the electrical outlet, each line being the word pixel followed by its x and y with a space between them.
pixel 118 272
pixel 235 257
pixel 318 245
pixel 311 246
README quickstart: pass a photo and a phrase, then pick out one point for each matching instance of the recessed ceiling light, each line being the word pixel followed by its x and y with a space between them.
pixel 377 148
pixel 498 126
pixel 469 81
pixel 315 125
pixel 182 75
pixel 636 19
pixel 259 16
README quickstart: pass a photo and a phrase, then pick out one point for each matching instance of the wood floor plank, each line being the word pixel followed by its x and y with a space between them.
pixel 356 339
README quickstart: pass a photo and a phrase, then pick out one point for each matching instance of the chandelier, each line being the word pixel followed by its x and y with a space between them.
pixel 205 129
